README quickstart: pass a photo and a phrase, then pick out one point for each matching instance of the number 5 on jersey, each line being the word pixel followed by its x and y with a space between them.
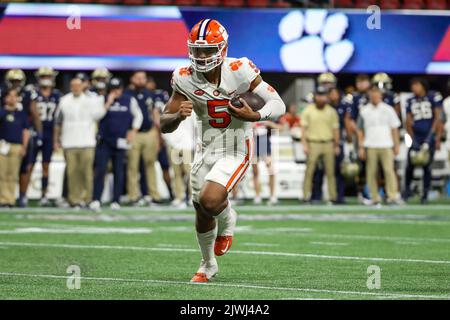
pixel 220 119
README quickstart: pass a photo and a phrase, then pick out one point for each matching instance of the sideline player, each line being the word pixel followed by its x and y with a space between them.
pixel 226 146
pixel 423 114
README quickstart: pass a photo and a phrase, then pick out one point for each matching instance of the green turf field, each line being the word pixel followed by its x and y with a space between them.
pixel 282 252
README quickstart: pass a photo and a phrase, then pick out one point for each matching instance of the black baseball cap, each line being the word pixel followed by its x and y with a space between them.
pixel 115 83
pixel 82 76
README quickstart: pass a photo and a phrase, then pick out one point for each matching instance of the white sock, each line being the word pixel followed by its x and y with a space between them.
pixel 206 243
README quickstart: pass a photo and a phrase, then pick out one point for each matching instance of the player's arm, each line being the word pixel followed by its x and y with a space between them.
pixel 177 109
pixel 409 124
pixel 25 140
pixel 274 106
pixel 360 135
pixel 35 116
pixel 437 127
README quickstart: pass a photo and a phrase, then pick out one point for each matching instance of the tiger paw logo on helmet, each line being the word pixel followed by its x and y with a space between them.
pixel 314 41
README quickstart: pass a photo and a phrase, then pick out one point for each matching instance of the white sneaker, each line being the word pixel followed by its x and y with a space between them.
pixel 206 271
pixel 62 203
pixel 226 227
pixel 95 206
pixel 257 200
pixel 179 204
pixel 114 206
pixel 273 201
pixel 44 202
pixel 367 202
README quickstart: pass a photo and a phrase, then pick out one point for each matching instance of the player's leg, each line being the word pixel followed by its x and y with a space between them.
pixel 256 184
pixel 205 225
pixel 387 163
pixel 311 164
pixel 427 177
pixel 47 150
pixel 150 154
pixel 87 172
pixel 165 167
pixel 102 156
pixel 26 168
pixel 340 181
pixel 409 173
pixel 133 158
pixel 372 173
pixel 329 159
pixel 118 159
pixel 271 172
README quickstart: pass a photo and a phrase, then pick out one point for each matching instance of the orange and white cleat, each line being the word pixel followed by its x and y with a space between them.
pixel 199 277
pixel 206 272
pixel 225 232
pixel 222 245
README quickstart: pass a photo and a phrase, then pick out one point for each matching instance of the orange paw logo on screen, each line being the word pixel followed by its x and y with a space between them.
pixel 235 65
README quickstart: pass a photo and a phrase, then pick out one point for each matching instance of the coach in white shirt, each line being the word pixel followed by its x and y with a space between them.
pixel 75 132
pixel 379 142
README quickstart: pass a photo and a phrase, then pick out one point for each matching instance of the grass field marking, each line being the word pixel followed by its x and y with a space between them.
pixel 371 218
pixel 320 243
pixel 259 244
pixel 265 253
pixel 230 285
pixel 257 208
pixel 302 232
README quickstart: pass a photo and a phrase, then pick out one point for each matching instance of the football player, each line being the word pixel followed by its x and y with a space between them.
pixel 226 143
pixel 15 78
pixel 423 114
pixel 47 103
pixel 354 103
pixel 384 82
pixel 99 79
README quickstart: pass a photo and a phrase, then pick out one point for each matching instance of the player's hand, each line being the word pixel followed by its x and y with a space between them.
pixel 56 146
pixel 362 153
pixel 306 149
pixel 113 95
pixel 438 144
pixel 244 113
pixel 185 109
pixel 131 134
pixel 396 150
pixel 23 151
pixel 337 150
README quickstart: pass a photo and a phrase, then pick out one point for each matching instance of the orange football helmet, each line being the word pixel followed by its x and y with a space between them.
pixel 208 44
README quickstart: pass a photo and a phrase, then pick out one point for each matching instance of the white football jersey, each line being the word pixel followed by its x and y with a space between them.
pixel 217 129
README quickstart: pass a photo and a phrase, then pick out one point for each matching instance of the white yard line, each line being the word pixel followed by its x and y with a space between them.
pixel 228 285
pixel 265 253
pixel 320 243
pixel 241 229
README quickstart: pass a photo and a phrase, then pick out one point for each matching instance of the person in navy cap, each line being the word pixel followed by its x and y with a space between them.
pixel 117 130
pixel 14 137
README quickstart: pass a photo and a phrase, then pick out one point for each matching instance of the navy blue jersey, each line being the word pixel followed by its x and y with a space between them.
pixel 47 108
pixel 117 121
pixel 341 109
pixel 422 111
pixel 12 124
pixel 354 103
pixel 145 101
pixel 391 98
